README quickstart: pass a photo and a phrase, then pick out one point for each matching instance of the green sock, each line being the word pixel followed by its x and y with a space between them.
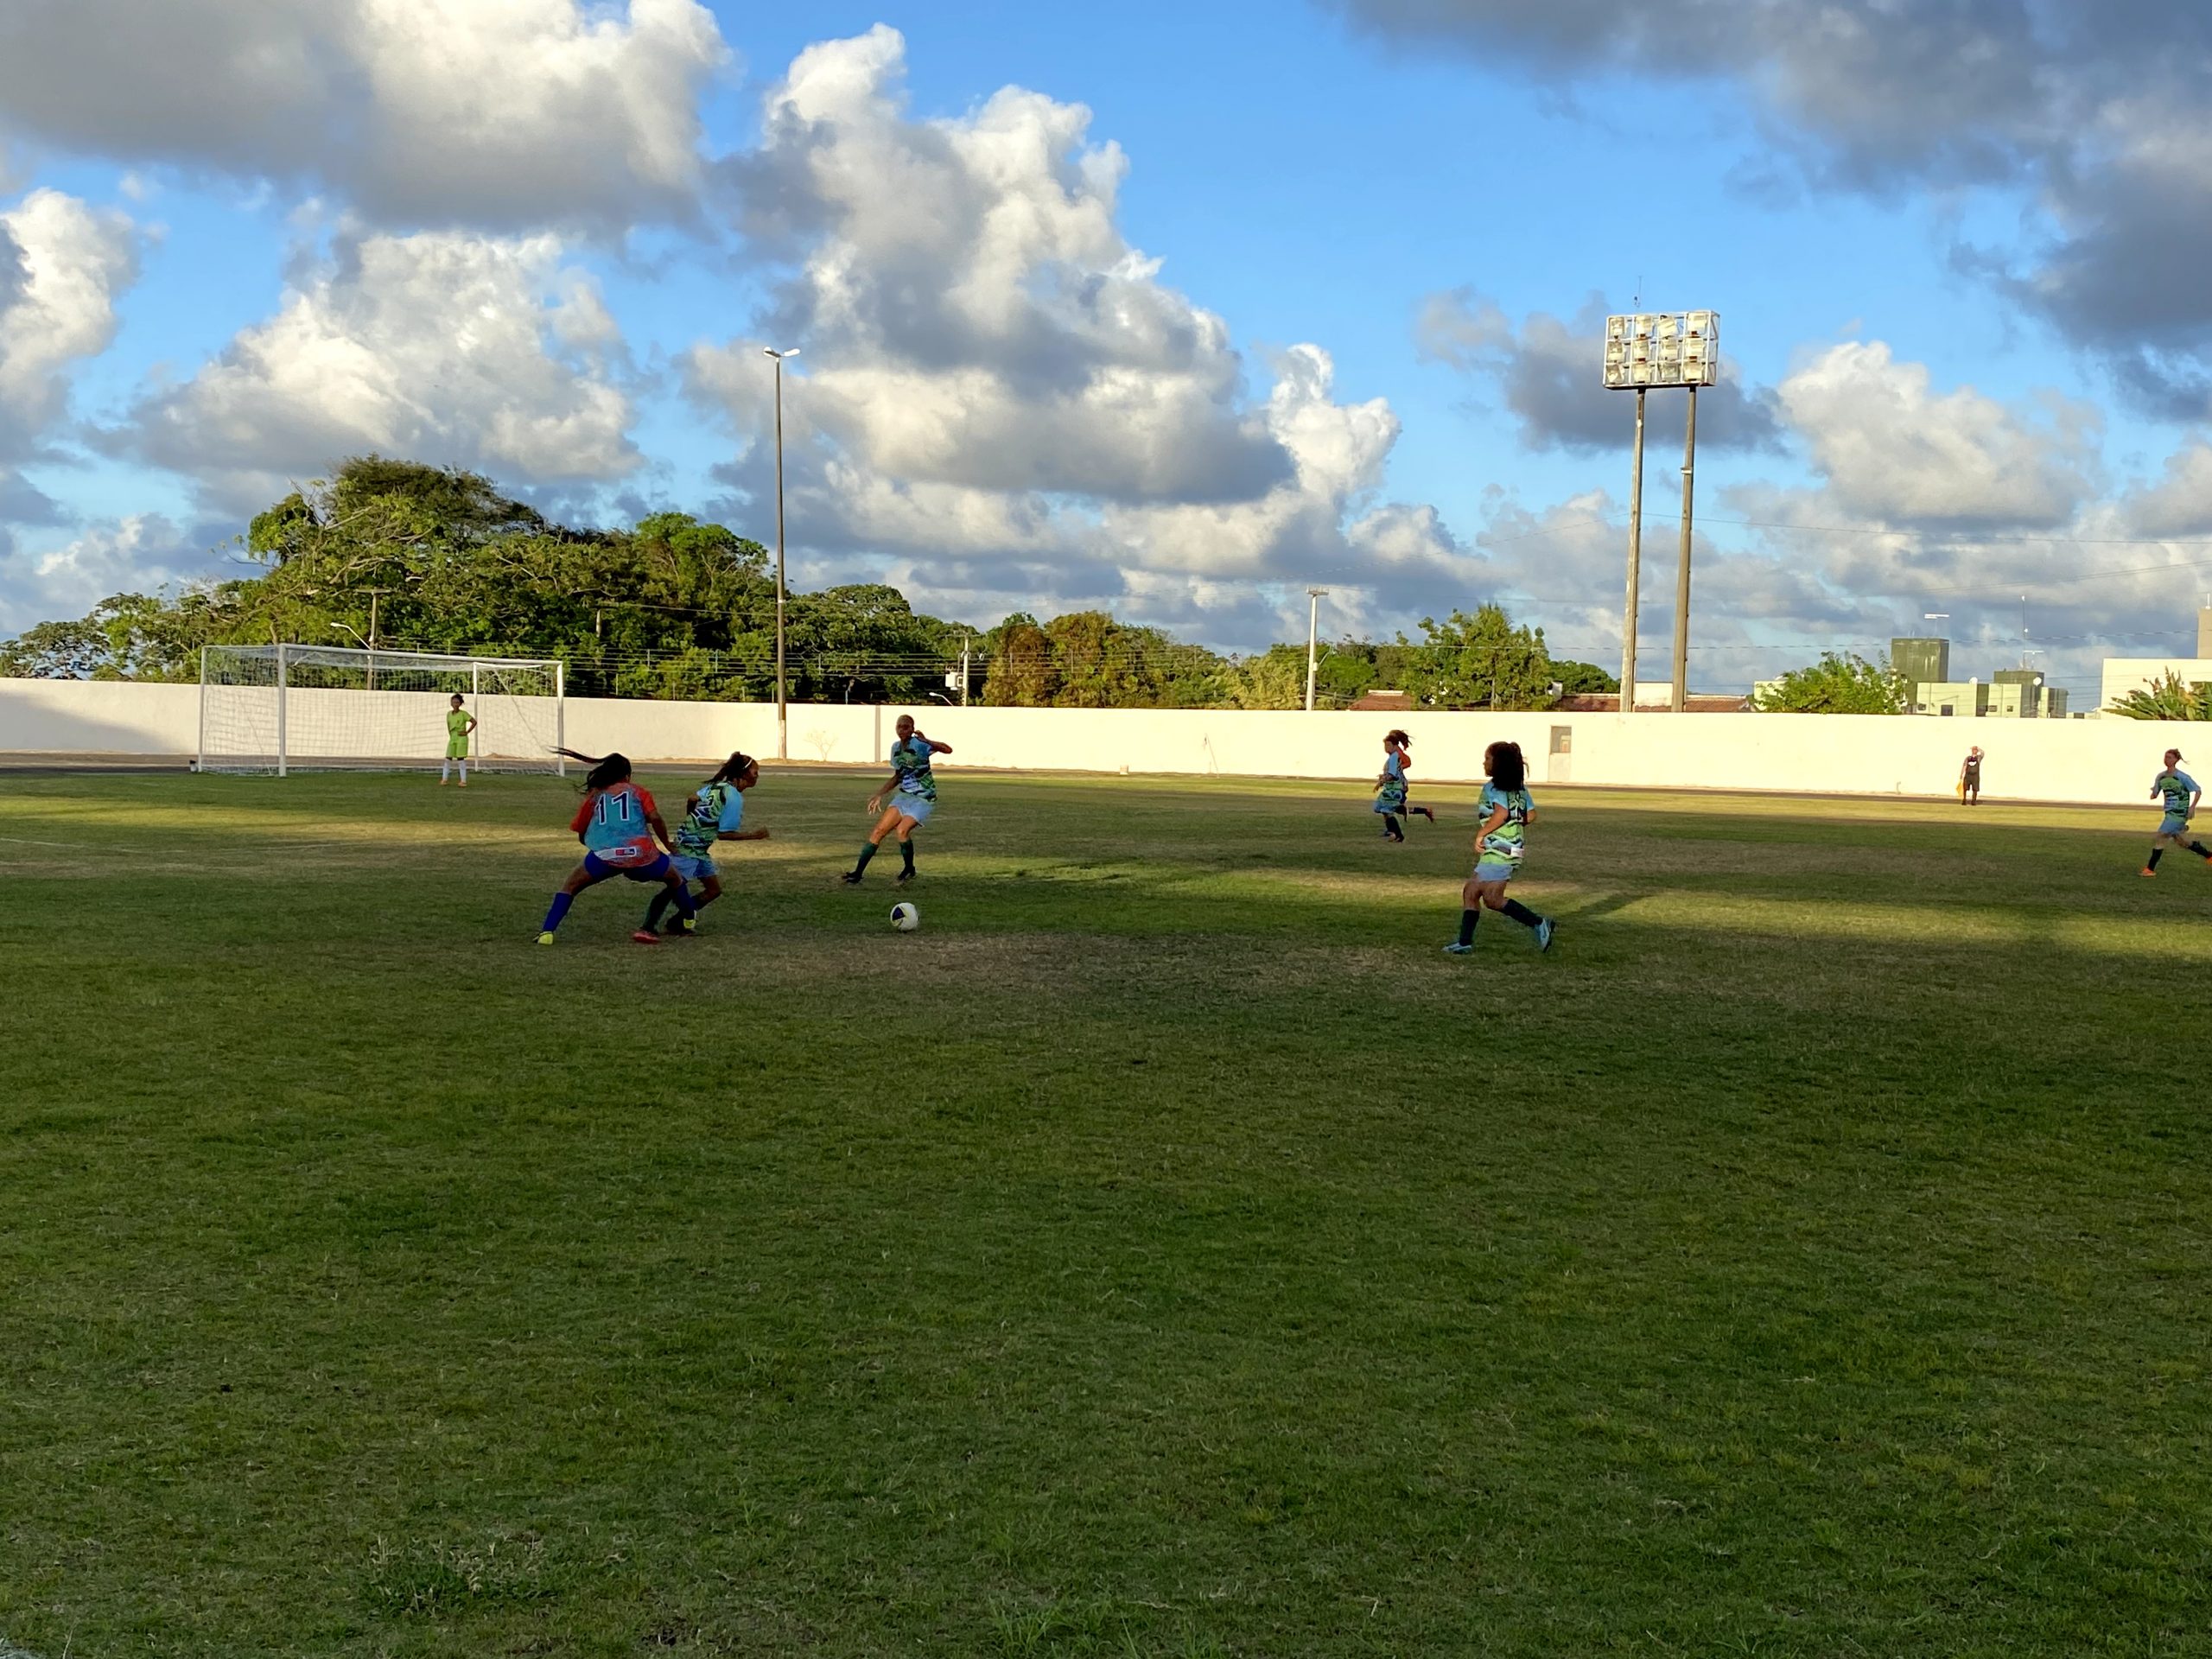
pixel 1467 920
pixel 867 851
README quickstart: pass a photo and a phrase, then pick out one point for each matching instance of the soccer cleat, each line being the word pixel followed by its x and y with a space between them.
pixel 1455 949
pixel 682 927
pixel 850 878
pixel 2146 870
pixel 645 935
pixel 1545 929
pixel 903 878
pixel 546 938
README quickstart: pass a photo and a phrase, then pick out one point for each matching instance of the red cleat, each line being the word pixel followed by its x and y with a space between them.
pixel 2146 872
pixel 641 937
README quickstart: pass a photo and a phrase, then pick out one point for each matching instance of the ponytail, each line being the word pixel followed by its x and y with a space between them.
pixel 735 767
pixel 606 770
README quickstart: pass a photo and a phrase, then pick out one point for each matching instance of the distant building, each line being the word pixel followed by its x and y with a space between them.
pixel 1965 698
pixel 1389 703
pixel 1921 662
pixel 2125 674
pixel 1662 700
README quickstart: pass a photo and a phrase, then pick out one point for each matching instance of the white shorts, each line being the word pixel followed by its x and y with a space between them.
pixel 916 807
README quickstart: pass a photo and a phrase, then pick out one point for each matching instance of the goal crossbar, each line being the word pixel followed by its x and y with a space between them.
pixel 294 707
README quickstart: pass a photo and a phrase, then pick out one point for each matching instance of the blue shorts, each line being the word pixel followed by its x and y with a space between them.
pixel 916 807
pixel 699 868
pixel 601 869
pixel 2170 825
pixel 1495 870
pixel 1384 804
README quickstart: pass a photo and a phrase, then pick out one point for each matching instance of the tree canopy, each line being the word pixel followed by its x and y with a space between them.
pixel 428 558
pixel 1840 683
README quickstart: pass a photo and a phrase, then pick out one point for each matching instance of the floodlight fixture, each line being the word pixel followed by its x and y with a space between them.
pixel 1657 351
pixel 1648 351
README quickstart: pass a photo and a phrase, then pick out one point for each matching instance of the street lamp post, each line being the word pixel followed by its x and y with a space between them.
pixel 783 707
pixel 1314 598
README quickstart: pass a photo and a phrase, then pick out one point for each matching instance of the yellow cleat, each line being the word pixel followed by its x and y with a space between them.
pixel 545 938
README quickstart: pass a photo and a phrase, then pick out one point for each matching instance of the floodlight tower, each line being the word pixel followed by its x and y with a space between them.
pixel 1643 351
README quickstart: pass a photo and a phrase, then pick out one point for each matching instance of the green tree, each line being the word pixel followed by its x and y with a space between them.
pixel 1481 661
pixel 2167 698
pixel 1018 665
pixel 1274 679
pixel 1582 679
pixel 1840 683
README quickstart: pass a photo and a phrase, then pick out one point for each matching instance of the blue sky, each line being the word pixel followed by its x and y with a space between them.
pixel 1327 320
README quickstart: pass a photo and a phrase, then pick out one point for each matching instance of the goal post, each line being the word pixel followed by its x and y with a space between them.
pixel 283 709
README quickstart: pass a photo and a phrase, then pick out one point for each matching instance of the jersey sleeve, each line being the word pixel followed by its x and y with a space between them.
pixel 2186 781
pixel 583 816
pixel 733 814
pixel 646 800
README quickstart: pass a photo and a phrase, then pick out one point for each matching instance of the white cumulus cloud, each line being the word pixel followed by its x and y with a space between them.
pixel 994 379
pixel 1892 449
pixel 492 112
pixel 444 346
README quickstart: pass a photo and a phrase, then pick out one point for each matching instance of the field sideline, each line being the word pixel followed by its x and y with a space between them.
pixel 1166 1251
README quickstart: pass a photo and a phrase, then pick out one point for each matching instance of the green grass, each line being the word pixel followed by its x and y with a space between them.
pixel 1166 1251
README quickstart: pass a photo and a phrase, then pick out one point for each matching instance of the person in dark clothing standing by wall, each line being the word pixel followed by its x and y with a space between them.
pixel 1970 778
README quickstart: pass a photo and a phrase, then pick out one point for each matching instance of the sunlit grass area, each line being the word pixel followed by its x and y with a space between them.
pixel 1164 1251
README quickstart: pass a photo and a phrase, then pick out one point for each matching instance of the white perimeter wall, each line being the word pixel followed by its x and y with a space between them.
pixel 2091 760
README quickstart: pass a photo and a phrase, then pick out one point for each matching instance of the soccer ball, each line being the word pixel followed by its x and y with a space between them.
pixel 905 918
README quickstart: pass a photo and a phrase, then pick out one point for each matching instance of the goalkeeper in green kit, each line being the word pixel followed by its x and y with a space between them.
pixel 458 724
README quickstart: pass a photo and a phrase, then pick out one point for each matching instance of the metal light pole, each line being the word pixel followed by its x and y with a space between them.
pixel 1632 605
pixel 783 707
pixel 1314 598
pixel 1682 575
pixel 1662 349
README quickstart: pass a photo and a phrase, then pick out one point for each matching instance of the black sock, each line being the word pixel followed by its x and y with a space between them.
pixel 1390 825
pixel 1520 913
pixel 1467 920
pixel 2157 853
pixel 658 909
pixel 2200 849
pixel 906 855
pixel 867 851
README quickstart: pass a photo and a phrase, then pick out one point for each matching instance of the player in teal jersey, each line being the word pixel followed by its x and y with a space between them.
pixel 1391 786
pixel 714 812
pixel 2181 795
pixel 1506 811
pixel 458 724
pixel 912 793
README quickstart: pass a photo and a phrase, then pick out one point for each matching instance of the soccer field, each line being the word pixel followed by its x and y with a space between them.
pixel 1166 1250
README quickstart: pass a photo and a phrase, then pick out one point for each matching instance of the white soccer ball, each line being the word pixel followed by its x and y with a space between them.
pixel 905 918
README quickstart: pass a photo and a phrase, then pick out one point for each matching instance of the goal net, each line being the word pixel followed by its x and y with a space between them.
pixel 285 709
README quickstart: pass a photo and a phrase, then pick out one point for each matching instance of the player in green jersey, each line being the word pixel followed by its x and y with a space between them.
pixel 911 794
pixel 458 724
pixel 1506 810
pixel 2180 794
pixel 714 812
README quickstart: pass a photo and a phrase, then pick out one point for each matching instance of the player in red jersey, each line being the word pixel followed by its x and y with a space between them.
pixel 622 835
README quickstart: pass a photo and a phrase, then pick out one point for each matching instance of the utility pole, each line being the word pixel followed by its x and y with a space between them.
pixel 966 642
pixel 783 706
pixel 1314 598
pixel 1682 575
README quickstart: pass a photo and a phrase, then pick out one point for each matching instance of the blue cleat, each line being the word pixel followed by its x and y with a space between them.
pixel 1545 929
pixel 1455 949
